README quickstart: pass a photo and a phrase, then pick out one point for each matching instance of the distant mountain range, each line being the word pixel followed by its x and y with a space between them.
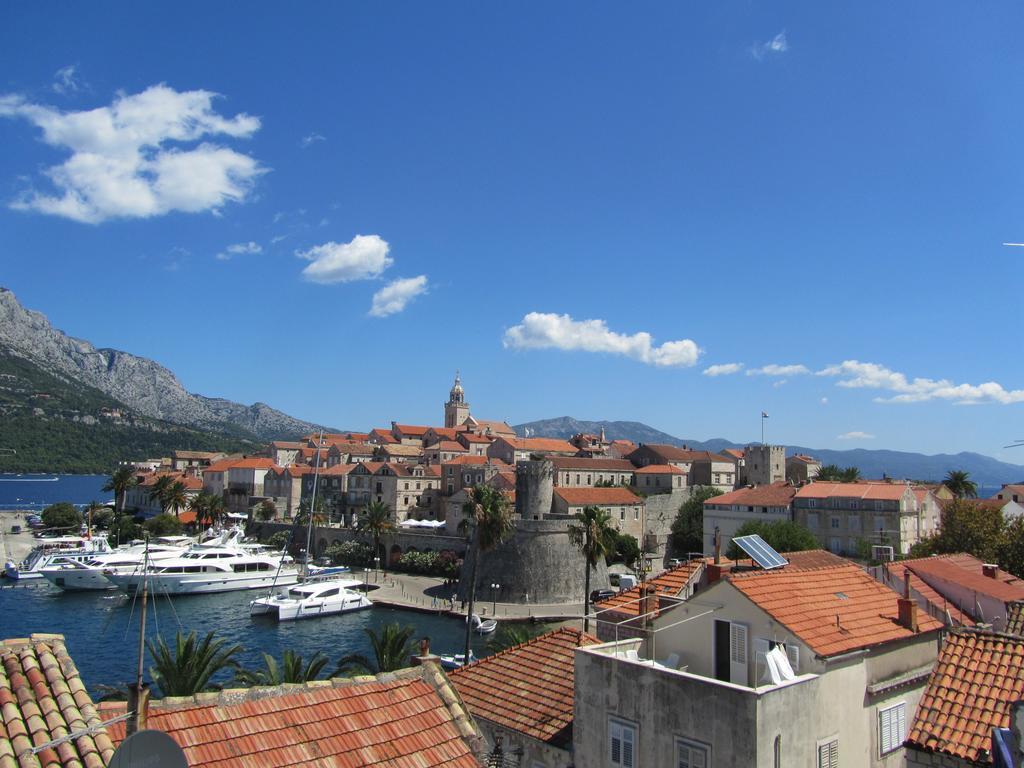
pixel 44 370
pixel 984 470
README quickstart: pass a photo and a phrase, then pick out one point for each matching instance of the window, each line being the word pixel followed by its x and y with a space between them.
pixel 577 479
pixel 834 523
pixel 621 744
pixel 892 727
pixel 588 479
pixel 812 503
pixel 828 753
pixel 692 754
pixel 636 513
pixel 879 505
pixel 622 513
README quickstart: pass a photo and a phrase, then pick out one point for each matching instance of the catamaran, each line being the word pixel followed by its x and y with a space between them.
pixel 312 598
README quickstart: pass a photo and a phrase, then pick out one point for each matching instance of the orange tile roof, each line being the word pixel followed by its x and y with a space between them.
pixel 472 437
pixel 774 495
pixel 407 718
pixel 881 491
pixel 976 679
pixel 219 466
pixel 1015 618
pixel 659 469
pixel 187 517
pixel 804 458
pixel 965 561
pixel 540 444
pixel 933 570
pixel 43 698
pixel 287 445
pixel 255 463
pixel 411 430
pixel 733 453
pixel 1009 490
pixel 449 446
pixel 459 460
pixel 669 584
pixel 809 602
pixel 669 453
pixel 384 435
pixel 894 578
pixel 597 496
pixel 527 688
pixel 448 433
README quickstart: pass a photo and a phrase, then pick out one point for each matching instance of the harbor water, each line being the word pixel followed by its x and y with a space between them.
pixel 34 492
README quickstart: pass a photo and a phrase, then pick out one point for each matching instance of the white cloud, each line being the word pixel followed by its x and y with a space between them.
pixel 394 296
pixel 775 46
pixel 313 138
pixel 128 159
pixel 778 370
pixel 240 249
pixel 65 80
pixel 855 374
pixel 855 436
pixel 541 330
pixel 723 369
pixel 365 257
pixel 780 383
pixel 824 401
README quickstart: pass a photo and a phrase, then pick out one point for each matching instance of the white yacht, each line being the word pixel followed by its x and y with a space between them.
pixel 208 569
pixel 76 575
pixel 67 548
pixel 312 598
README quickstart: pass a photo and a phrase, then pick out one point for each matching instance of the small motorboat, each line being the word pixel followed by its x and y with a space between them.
pixel 455 660
pixel 482 627
pixel 312 598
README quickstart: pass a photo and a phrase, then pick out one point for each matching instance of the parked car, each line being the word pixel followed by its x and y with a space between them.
pixel 601 594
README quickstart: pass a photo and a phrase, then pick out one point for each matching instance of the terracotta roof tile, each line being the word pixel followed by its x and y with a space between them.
pixel 894 572
pixel 411 430
pixel 881 491
pixel 407 718
pixel 43 698
pixel 976 679
pixel 774 495
pixel 527 688
pixel 669 584
pixel 660 469
pixel 540 444
pixel 597 496
pixel 832 610
pixel 937 570
pixel 669 453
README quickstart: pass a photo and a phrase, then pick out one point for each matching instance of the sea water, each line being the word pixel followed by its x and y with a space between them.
pixel 35 492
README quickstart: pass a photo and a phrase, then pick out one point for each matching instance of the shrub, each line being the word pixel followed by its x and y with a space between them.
pixel 163 525
pixel 63 516
pixel 279 540
pixel 354 554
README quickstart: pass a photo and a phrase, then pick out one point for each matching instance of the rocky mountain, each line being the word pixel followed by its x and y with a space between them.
pixel 145 387
pixel 984 470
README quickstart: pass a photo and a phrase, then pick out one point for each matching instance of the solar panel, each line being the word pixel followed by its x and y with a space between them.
pixel 760 551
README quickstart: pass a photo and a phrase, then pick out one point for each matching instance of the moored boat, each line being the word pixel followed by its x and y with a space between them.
pixel 325 597
pixel 455 660
pixel 50 549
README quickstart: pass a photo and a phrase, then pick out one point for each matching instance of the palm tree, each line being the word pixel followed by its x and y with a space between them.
pixel 216 509
pixel 189 669
pixel 829 473
pixel 120 481
pixel 290 670
pixel 267 511
pixel 594 535
pixel 850 475
pixel 158 493
pixel 392 649
pixel 375 522
pixel 488 519
pixel 302 518
pixel 177 497
pixel 200 505
pixel 960 484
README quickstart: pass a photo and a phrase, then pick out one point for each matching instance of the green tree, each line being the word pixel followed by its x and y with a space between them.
pixel 292 669
pixel 190 668
pixel 280 539
pixel 200 505
pixel 781 535
pixel 966 526
pixel 626 550
pixel 124 529
pixel 960 484
pixel 159 491
pixel 98 516
pixel 594 536
pixel 302 516
pixel 688 527
pixel 266 511
pixel 354 554
pixel 392 649
pixel 833 473
pixel 120 481
pixel 163 524
pixel 216 509
pixel 488 520
pixel 375 522
pixel 1011 547
pixel 177 497
pixel 62 516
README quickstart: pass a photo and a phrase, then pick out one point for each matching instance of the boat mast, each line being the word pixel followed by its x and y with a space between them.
pixel 138 690
pixel 312 501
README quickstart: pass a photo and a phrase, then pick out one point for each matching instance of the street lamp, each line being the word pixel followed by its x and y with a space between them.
pixel 494 599
pixel 376 569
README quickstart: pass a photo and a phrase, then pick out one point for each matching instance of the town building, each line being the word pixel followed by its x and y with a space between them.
pixel 244 479
pixel 624 507
pixel 283 486
pixel 1011 492
pixel 515 449
pixel 409 490
pixel 847 517
pixel 659 478
pixel 816 667
pixel 139 499
pixel 801 469
pixel 444 451
pixel 581 472
pixel 761 503
pixel 700 467
pixel 977 681
pixel 285 452
pixel 523 697
pixel 353 452
pixel 182 461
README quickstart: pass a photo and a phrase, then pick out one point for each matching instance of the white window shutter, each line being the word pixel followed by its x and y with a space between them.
pixel 760 663
pixel 738 654
pixel 793 651
pixel 828 754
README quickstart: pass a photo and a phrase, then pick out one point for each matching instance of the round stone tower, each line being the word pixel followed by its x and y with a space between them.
pixel 535 481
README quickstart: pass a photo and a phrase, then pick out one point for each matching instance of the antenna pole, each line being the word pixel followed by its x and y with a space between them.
pixel 312 501
pixel 133 721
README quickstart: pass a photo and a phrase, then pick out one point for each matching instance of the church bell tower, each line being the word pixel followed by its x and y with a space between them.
pixel 456 410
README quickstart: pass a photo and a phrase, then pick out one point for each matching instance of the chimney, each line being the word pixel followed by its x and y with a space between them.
pixel 907 606
pixel 138 702
pixel 648 603
pixel 425 657
pixel 718 546
pixel 990 569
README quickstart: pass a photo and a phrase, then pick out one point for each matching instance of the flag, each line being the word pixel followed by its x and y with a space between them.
pixel 764 415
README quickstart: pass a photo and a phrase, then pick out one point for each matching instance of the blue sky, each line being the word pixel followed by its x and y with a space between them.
pixel 331 207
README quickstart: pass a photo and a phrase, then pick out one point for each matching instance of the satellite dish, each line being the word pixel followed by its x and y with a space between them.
pixel 153 749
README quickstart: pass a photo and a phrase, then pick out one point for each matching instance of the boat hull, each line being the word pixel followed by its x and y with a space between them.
pixel 76 580
pixel 198 584
pixel 292 610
